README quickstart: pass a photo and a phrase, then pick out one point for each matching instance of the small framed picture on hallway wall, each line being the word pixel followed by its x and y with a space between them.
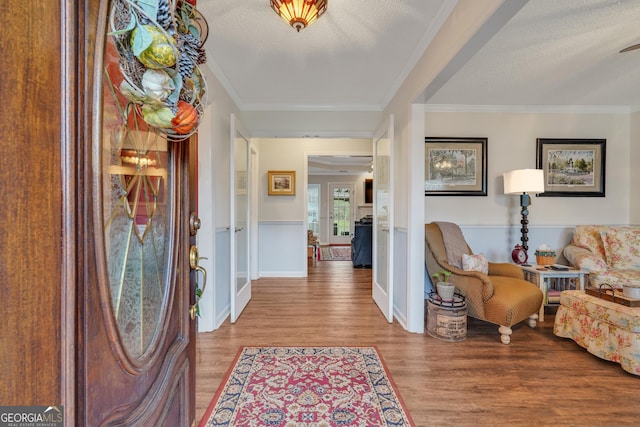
pixel 282 183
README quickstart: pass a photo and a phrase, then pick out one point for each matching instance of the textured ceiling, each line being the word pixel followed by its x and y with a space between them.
pixel 354 57
pixel 556 53
pixel 551 53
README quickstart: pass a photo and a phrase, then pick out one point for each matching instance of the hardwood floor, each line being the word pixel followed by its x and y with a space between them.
pixel 538 379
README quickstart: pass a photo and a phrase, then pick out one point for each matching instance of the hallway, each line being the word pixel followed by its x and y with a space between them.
pixel 537 379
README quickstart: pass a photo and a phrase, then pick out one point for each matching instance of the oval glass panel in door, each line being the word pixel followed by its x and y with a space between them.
pixel 137 208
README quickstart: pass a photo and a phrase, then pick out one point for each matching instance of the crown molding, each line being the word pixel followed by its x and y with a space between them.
pixel 579 109
pixel 270 133
pixel 311 108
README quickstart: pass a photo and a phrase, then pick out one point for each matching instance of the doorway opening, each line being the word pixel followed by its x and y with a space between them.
pixel 336 195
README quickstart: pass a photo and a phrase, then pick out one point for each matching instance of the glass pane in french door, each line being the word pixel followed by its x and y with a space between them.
pixel 313 208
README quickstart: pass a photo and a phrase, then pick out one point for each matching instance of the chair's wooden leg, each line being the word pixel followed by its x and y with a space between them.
pixel 533 320
pixel 505 334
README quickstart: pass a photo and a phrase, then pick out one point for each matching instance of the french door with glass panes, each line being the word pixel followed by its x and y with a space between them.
pixel 239 214
pixel 340 213
pixel 383 219
pixel 313 208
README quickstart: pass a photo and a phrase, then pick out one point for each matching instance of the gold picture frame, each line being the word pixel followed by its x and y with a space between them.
pixel 281 183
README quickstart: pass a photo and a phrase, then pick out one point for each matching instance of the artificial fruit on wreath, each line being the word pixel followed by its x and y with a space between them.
pixel 157 84
pixel 152 47
pixel 157 115
pixel 186 118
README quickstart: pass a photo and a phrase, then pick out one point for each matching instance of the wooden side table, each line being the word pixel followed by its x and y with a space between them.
pixel 555 280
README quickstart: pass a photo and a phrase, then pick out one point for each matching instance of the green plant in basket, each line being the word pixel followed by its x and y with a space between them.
pixel 441 276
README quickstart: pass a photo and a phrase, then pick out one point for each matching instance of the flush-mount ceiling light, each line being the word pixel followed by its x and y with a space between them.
pixel 299 13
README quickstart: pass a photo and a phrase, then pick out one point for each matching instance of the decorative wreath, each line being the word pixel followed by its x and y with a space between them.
pixel 160 44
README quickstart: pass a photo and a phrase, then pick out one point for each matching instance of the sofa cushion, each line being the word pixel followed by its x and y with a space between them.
pixel 622 247
pixel 589 237
pixel 475 262
pixel 615 278
pixel 584 258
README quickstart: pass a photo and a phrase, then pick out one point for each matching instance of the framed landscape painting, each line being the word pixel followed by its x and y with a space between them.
pixel 282 183
pixel 572 167
pixel 455 167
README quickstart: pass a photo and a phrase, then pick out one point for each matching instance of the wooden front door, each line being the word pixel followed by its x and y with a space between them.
pixel 136 336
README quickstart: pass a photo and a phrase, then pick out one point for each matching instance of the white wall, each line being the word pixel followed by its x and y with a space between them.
pixel 282 251
pixel 285 216
pixel 512 145
pixel 291 154
pixel 634 165
pixel 213 203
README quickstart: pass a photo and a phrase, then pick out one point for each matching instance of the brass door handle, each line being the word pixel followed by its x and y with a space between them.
pixel 194 310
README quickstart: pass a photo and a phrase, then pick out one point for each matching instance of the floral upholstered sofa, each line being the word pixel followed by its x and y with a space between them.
pixel 606 329
pixel 610 253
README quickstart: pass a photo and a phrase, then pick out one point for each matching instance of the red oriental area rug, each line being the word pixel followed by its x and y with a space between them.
pixel 334 253
pixel 307 387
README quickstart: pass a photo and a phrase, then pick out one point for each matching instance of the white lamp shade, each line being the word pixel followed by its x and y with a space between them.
pixel 524 181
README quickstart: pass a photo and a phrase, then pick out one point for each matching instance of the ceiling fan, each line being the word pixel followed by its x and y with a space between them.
pixel 630 48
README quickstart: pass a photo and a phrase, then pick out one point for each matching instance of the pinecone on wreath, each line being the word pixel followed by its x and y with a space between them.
pixel 190 54
pixel 163 17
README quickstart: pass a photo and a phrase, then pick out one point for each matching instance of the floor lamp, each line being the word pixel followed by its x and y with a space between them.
pixel 523 182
